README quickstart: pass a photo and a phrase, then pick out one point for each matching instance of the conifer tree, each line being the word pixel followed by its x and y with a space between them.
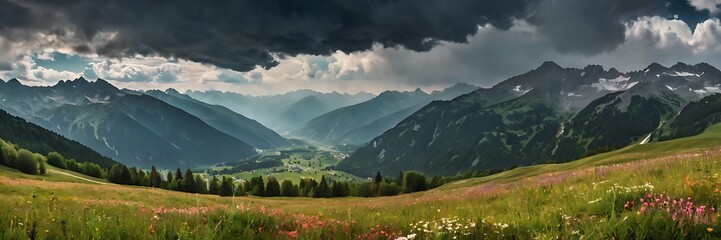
pixel 178 174
pixel 169 178
pixel 272 189
pixel 322 190
pixel 226 187
pixel 189 182
pixel 201 185
pixel 155 179
pixel 257 188
pixel 213 188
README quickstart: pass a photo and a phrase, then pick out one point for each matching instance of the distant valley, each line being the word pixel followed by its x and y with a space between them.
pixel 549 114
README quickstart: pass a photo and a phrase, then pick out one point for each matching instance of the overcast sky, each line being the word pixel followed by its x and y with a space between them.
pixel 275 46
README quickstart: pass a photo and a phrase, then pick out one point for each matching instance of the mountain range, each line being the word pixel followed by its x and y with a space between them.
pixel 132 127
pixel 549 114
pixel 284 113
pixel 359 123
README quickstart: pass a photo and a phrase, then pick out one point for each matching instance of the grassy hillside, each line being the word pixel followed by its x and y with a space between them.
pixel 589 198
pixel 41 140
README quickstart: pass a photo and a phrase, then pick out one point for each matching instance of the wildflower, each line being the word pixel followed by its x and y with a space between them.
pixel 709 229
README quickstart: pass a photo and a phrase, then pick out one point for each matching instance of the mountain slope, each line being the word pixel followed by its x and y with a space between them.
pixel 694 118
pixel 268 110
pixel 40 140
pixel 343 125
pixel 223 119
pixel 548 114
pixel 300 113
pixel 135 129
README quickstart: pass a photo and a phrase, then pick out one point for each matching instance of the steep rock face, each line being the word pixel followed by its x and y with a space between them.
pixel 547 114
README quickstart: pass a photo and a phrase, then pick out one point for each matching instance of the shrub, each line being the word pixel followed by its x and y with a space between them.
pixel 287 189
pixel 57 160
pixel 364 189
pixel 389 189
pixel 9 155
pixel 92 169
pixel 414 182
pixel 74 166
pixel 41 167
pixel 26 162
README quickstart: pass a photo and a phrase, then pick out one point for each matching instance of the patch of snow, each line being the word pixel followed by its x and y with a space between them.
pixel 518 90
pixel 708 89
pixel 375 144
pixel 583 73
pixel 630 85
pixel 617 84
pixel 95 101
pixel 670 88
pixel 416 127
pixel 563 128
pixel 382 154
pixel 619 79
pixel 570 94
pixel 683 74
pixel 700 91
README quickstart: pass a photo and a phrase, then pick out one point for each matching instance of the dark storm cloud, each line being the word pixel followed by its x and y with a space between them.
pixel 593 26
pixel 241 35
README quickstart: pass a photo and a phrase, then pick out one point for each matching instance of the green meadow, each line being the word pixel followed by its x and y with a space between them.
pixel 666 190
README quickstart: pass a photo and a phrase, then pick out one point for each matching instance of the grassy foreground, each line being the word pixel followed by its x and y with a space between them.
pixel 667 190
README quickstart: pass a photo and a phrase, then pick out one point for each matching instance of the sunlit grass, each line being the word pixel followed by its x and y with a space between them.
pixel 584 199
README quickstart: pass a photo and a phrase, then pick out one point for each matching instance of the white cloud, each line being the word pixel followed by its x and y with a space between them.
pixel 710 5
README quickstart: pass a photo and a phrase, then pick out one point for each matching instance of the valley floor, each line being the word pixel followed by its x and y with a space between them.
pixel 666 190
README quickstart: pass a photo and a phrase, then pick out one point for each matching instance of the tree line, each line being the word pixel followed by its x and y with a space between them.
pixel 406 182
pixel 13 156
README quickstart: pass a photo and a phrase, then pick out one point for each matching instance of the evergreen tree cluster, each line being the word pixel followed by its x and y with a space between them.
pixel 33 163
pixel 25 161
